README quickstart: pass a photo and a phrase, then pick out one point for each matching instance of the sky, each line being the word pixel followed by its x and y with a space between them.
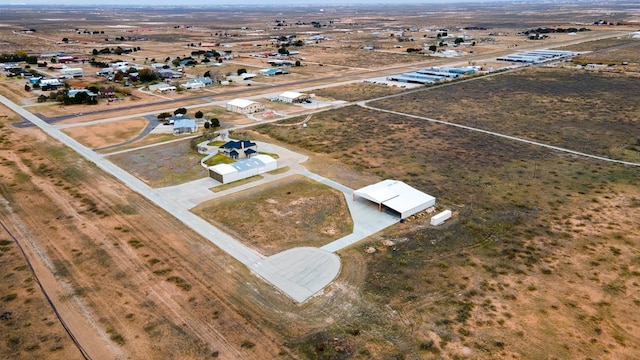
pixel 227 2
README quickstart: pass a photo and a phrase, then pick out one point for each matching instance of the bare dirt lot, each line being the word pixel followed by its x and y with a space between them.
pixel 311 213
pixel 163 165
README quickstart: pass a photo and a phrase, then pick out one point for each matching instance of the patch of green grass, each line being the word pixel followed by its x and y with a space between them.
pixel 180 282
pixel 163 271
pixel 231 185
pixel 277 171
pixel 135 243
pixel 115 336
pixel 219 159
pixel 9 297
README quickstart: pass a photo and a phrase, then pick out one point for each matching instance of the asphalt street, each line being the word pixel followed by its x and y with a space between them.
pixel 299 273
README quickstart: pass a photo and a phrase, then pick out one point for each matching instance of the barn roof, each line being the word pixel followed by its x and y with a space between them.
pixel 241 103
pixel 397 196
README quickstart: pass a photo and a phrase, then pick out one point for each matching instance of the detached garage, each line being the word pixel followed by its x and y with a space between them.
pixel 258 164
pixel 397 196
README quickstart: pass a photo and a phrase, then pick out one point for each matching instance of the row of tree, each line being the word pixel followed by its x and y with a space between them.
pixel 210 123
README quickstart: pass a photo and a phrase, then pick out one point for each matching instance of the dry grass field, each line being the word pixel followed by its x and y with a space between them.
pixel 311 213
pixel 163 165
pixel 485 282
pixel 541 259
pixel 357 91
pixel 580 110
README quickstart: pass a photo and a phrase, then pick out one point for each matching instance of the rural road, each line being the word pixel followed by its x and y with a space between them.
pixel 492 133
pixel 299 273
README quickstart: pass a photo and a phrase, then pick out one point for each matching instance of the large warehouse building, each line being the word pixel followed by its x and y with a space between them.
pixel 258 164
pixel 397 196
pixel 243 106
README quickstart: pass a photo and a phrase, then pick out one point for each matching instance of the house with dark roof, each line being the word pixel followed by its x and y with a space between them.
pixel 107 93
pixel 241 149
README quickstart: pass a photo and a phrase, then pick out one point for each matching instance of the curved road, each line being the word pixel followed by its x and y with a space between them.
pixel 300 274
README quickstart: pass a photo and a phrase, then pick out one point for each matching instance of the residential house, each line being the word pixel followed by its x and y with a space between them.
pixel 241 149
pixel 184 125
pixel 107 93
pixel 273 71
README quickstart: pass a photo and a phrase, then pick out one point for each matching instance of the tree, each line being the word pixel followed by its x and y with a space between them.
pixel 42 98
pixel 163 116
pixel 215 122
pixel 199 114
pixel 180 111
pixel 65 40
pixel 207 74
pixel 207 125
pixel 147 75
pixel 241 71
pixel 27 88
pixel 433 48
pixel 297 63
pixel 283 50
pixel 94 52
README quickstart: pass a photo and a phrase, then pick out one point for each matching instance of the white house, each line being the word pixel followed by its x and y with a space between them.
pixel 166 88
pixel 184 126
pixel 71 72
pixel 243 106
pixel 192 85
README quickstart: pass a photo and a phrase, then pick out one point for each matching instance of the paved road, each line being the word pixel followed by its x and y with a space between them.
pixel 367 220
pixel 299 273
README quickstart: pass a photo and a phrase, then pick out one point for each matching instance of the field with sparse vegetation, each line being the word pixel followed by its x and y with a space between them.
pixel 541 259
pixel 312 213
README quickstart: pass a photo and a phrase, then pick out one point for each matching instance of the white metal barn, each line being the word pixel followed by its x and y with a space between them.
pixel 292 97
pixel 397 196
pixel 244 106
pixel 258 164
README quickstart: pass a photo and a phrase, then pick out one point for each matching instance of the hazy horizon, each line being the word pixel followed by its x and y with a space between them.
pixel 173 3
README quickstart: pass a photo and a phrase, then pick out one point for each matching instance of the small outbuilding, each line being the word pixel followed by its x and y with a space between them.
pixel 397 196
pixel 243 106
pixel 226 173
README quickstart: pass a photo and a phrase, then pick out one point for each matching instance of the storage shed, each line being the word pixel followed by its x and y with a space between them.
pixel 397 196
pixel 226 173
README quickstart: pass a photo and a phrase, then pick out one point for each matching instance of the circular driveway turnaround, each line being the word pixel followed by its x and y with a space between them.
pixel 304 271
pixel 298 273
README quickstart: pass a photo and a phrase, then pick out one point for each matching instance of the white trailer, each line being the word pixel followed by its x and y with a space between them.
pixel 71 72
pixel 440 218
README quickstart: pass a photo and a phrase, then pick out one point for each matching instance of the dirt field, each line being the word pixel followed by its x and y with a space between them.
pixel 313 215
pixel 163 165
pixel 484 282
pixel 572 109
